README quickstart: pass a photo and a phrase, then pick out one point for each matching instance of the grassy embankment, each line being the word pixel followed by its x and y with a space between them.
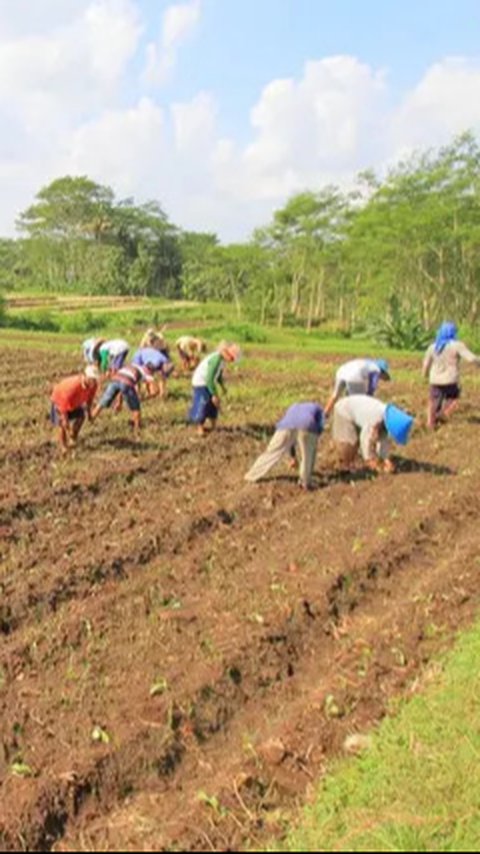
pixel 418 787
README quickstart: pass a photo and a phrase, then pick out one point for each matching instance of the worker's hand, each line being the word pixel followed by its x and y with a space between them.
pixel 389 466
pixel 292 464
pixel 216 401
pixel 374 465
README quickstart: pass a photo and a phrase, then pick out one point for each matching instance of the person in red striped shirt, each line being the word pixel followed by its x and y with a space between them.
pixel 125 382
pixel 71 402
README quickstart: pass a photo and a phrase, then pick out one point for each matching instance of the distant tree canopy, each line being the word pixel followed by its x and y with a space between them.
pixel 411 240
pixel 77 237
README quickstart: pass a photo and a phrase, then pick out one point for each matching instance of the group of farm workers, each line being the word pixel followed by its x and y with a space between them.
pixel 72 399
pixel 361 422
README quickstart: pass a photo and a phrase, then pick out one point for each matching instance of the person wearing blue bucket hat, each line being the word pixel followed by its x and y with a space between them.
pixel 359 376
pixel 362 422
pixel 442 367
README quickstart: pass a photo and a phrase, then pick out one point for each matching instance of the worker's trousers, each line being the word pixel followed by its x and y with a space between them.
pixel 281 444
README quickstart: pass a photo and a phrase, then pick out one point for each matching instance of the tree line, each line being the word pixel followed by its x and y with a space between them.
pixel 407 245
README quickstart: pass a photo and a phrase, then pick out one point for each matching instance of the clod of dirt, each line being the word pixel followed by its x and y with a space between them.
pixel 357 743
pixel 273 751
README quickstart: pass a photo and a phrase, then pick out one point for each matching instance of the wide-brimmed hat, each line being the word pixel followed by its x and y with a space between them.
pixel 398 423
pixel 230 349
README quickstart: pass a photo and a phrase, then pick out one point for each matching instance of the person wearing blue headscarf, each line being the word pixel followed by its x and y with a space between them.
pixel 447 332
pixel 442 367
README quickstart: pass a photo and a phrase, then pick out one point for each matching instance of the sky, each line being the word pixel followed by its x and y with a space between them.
pixel 223 109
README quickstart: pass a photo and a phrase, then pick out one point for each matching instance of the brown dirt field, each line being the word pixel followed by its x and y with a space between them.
pixel 272 622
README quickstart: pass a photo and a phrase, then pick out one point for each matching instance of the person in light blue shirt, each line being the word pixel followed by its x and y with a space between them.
pixel 301 426
pixel 158 363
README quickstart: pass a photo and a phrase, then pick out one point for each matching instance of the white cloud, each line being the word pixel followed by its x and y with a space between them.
pixel 178 24
pixel 444 103
pixel 124 148
pixel 51 79
pixel 65 108
pixel 306 130
pixel 194 123
pixel 113 30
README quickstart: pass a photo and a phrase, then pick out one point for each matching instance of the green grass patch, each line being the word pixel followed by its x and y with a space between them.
pixel 418 787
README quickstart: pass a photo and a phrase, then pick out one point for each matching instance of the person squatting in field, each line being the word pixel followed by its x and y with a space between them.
pixel 442 367
pixel 301 425
pixel 124 383
pixel 108 355
pixel 190 351
pixel 71 401
pixel 206 402
pixel 157 363
pixel 363 422
pixel 360 376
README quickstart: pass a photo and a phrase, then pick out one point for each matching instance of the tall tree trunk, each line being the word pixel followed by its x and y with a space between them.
pixel 311 304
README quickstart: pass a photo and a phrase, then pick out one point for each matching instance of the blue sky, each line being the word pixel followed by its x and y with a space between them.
pixel 223 108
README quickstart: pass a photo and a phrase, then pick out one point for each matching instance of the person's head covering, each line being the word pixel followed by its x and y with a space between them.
pixel 92 373
pixel 398 423
pixel 230 351
pixel 384 368
pixel 447 332
pixel 155 339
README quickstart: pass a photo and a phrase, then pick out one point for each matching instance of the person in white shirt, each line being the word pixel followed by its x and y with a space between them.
pixel 113 355
pixel 91 350
pixel 205 381
pixel 362 422
pixel 442 367
pixel 360 376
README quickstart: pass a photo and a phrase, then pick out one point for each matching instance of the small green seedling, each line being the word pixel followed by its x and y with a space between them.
pixel 212 802
pixel 159 687
pixel 21 769
pixel 331 707
pixel 100 736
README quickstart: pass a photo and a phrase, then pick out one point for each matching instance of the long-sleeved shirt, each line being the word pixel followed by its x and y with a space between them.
pixel 132 375
pixel 189 345
pixel 110 350
pixel 90 349
pixel 148 357
pixel 359 373
pixel 366 413
pixel 444 368
pixel 303 416
pixel 208 373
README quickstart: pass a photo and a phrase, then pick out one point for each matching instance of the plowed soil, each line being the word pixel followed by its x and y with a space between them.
pixel 180 652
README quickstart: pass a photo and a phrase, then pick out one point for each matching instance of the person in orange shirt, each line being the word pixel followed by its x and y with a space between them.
pixel 71 400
